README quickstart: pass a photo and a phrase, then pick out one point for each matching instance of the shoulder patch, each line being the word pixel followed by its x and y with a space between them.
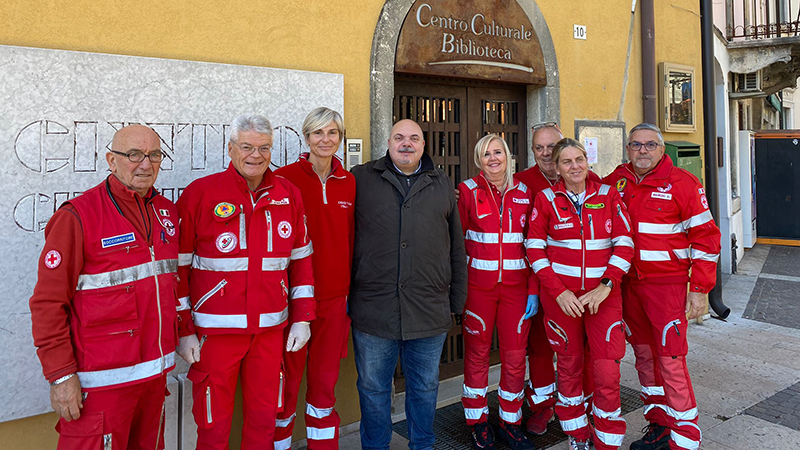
pixel 522 187
pixel 470 184
pixel 604 188
pixel 549 194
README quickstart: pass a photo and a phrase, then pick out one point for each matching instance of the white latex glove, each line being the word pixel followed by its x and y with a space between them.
pixel 189 348
pixel 299 334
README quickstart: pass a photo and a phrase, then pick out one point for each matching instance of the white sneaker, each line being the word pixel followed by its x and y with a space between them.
pixel 580 445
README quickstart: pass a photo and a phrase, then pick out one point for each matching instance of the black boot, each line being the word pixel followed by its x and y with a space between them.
pixel 482 436
pixel 514 436
pixel 656 437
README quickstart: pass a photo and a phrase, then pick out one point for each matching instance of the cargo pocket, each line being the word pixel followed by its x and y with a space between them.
pixel 201 398
pixel 86 432
pixel 110 305
pixel 111 350
pixel 474 326
pixel 557 337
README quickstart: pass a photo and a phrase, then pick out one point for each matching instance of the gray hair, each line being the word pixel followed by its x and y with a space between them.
pixel 648 127
pixel 250 122
pixel 319 118
pixel 565 143
pixel 483 145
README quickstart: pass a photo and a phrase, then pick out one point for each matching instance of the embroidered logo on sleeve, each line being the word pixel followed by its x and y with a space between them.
pixel 608 226
pixel 534 214
pixel 52 259
pixel 704 201
pixel 522 220
pixel 164 212
pixel 169 226
pixel 117 240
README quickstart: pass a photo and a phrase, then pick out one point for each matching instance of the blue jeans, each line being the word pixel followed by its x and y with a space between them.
pixel 376 359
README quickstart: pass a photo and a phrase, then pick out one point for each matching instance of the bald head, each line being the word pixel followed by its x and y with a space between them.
pixel 406 145
pixel 136 176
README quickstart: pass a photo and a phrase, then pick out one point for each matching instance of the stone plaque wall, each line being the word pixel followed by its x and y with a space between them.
pixel 58 112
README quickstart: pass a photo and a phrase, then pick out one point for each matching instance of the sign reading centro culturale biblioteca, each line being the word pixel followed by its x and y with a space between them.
pixel 479 39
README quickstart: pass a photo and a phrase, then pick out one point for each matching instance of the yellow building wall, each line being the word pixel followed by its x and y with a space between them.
pixel 336 36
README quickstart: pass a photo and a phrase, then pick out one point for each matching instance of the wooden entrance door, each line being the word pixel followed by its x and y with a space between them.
pixel 453 116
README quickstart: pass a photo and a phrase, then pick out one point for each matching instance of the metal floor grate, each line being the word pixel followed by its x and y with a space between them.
pixel 452 432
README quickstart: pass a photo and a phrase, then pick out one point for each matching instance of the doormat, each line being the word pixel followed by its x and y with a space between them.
pixel 453 433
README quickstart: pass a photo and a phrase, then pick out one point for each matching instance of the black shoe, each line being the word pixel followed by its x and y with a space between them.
pixel 514 436
pixel 656 437
pixel 482 436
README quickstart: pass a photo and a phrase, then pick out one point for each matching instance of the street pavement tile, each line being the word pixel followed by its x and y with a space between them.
pixel 776 302
pixel 783 408
pixel 745 432
pixel 783 260
pixel 745 343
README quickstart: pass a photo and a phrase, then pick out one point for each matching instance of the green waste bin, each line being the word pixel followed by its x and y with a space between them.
pixel 687 156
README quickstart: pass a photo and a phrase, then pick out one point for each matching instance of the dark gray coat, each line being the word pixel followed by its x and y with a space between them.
pixel 409 263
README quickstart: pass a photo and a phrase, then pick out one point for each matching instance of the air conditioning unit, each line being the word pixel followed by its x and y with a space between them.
pixel 748 82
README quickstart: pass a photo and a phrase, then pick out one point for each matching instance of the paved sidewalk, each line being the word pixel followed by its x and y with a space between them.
pixel 745 371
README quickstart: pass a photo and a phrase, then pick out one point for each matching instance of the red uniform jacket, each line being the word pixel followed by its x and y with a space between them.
pixel 571 251
pixel 494 232
pixel 109 275
pixel 331 223
pixel 673 228
pixel 245 257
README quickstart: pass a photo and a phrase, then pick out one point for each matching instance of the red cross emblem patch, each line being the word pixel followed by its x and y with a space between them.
pixel 284 229
pixel 52 259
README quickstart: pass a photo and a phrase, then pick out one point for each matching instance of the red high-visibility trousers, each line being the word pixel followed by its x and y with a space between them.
pixel 656 315
pixel 541 387
pixel 325 350
pixel 605 335
pixel 129 417
pixel 504 305
pixel 223 359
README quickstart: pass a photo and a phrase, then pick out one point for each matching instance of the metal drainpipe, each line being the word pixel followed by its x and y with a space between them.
pixel 649 97
pixel 710 141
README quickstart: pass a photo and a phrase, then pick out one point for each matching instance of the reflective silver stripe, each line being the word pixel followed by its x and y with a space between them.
pixel 622 241
pixel 535 243
pixel 661 228
pixel 482 264
pixel 519 325
pixel 319 434
pixel 184 259
pixel 541 394
pixel 608 332
pixel 570 401
pixel 595 272
pixel 184 304
pixel 274 264
pixel 619 262
pixel 570 271
pixel 242 230
pixel 697 254
pixel 126 275
pixel 318 413
pixel 302 252
pixel 220 264
pixel 514 264
pixel 666 329
pixel 204 320
pixel 472 314
pixel 282 423
pixel 598 244
pixel 305 291
pixel 284 444
pixel 111 377
pixel 510 417
pixel 610 439
pixel 681 253
pixel 653 390
pixel 513 238
pixel 475 413
pixel 549 194
pixel 540 264
pixel 272 319
pixel 470 392
pixel 572 244
pixel 678 415
pixel 574 424
pixel 604 188
pixel 471 184
pixel 510 396
pixel 483 238
pixel 682 440
pixel 603 414
pixel 522 187
pixel 208 294
pixel 654 255
pixel 700 219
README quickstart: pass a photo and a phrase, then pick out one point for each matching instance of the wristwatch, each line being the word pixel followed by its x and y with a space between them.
pixel 607 283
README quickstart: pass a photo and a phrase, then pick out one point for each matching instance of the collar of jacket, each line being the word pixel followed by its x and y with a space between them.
pixel 241 183
pixel 385 163
pixel 655 177
pixel 125 194
pixel 487 184
pixel 337 170
pixel 591 188
pixel 544 177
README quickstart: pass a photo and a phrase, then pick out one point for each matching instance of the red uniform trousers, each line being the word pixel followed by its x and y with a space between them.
pixel 328 345
pixel 223 358
pixel 605 335
pixel 128 417
pixel 656 315
pixel 504 305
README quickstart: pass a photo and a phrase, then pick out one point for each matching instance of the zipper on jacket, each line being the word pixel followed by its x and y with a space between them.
pixel 158 304
pixel 269 230
pixel 285 289
pixel 583 253
pixel 280 392
pixel 622 216
pixel 591 227
pixel 214 290
pixel 208 405
pixel 122 332
pixel 242 229
pixel 324 192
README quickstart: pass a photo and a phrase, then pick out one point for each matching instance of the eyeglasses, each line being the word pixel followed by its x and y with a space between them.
pixel 649 146
pixel 137 156
pixel 546 125
pixel 248 149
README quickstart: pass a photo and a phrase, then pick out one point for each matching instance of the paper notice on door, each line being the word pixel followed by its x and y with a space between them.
pixel 590 143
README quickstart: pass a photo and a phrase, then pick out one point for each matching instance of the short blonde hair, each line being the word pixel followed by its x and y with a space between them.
pixel 320 118
pixel 483 145
pixel 564 143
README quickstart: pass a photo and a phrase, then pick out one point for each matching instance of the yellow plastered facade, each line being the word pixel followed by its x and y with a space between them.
pixel 336 36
